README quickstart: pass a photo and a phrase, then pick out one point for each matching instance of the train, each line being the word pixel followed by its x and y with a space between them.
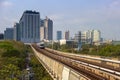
pixel 41 45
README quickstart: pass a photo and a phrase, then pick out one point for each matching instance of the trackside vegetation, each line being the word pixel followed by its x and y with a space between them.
pixel 13 62
pixel 106 50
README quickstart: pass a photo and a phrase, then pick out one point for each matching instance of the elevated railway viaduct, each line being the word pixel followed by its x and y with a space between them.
pixel 63 66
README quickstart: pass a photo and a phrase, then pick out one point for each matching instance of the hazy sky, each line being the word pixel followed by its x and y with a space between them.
pixel 73 15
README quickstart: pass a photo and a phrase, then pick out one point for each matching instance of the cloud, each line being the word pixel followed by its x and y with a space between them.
pixel 115 3
pixel 5 3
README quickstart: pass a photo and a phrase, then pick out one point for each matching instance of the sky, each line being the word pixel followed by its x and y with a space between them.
pixel 72 15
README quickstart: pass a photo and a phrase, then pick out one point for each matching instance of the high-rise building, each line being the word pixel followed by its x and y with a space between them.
pixel 96 36
pixel 67 34
pixel 17 32
pixel 42 30
pixel 48 24
pixel 42 33
pixel 84 36
pixel 9 34
pixel 87 36
pixel 59 35
pixel 90 36
pixel 30 27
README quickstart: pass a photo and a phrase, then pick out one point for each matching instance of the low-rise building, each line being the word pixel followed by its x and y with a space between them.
pixel 116 42
pixel 63 41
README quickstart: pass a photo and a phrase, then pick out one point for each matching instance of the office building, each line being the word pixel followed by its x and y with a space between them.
pixel 67 34
pixel 59 35
pixel 9 34
pixel 48 24
pixel 30 27
pixel 1 36
pixel 17 32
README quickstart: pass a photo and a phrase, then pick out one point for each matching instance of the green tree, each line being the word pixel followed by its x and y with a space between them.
pixel 9 71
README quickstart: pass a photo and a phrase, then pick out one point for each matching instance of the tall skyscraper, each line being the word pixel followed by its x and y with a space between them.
pixel 30 27
pixel 67 34
pixel 59 35
pixel 48 24
pixel 9 34
pixel 17 33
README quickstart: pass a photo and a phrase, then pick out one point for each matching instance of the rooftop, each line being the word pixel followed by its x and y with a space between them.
pixel 31 12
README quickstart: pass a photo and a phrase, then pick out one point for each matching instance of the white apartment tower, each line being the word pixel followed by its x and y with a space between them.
pixel 96 36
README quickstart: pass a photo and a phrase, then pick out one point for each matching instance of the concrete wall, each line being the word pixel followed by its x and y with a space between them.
pixel 57 70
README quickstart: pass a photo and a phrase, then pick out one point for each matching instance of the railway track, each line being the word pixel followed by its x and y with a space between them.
pixel 109 70
pixel 74 64
pixel 78 58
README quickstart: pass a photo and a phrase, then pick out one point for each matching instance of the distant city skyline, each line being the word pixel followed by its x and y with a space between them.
pixel 79 15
